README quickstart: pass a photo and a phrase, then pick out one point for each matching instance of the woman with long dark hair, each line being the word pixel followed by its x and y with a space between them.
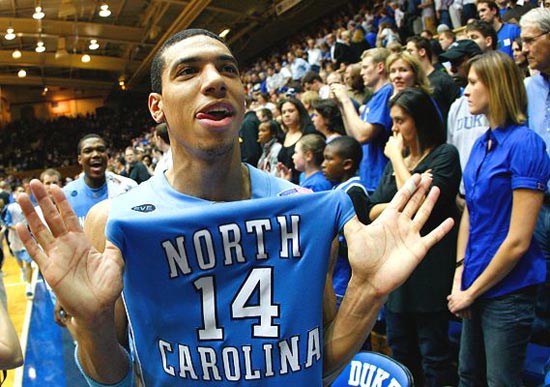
pixel 416 313
pixel 295 122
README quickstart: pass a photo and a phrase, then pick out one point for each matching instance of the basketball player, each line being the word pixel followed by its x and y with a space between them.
pixel 222 266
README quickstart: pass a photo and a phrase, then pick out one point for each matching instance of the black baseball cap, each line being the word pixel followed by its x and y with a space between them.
pixel 460 49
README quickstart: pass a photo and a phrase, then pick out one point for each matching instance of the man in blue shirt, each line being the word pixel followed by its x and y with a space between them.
pixel 212 223
pixel 536 46
pixel 488 11
pixel 373 127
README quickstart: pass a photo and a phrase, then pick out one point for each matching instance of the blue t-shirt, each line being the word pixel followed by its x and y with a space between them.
pixel 517 159
pixel 316 182
pixel 377 111
pixel 225 293
pixel 506 35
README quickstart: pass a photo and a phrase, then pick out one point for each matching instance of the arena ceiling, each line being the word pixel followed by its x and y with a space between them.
pixel 130 35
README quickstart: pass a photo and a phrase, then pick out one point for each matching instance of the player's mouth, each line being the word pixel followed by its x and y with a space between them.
pixel 97 166
pixel 216 115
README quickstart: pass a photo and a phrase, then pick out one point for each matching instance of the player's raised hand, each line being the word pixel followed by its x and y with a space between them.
pixel 86 282
pixel 385 253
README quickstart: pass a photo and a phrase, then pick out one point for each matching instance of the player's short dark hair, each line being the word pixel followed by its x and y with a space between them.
pixel 485 29
pixel 90 135
pixel 422 43
pixel 157 65
pixel 347 147
pixel 161 130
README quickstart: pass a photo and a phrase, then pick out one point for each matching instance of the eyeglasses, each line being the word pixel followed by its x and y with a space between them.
pixel 528 40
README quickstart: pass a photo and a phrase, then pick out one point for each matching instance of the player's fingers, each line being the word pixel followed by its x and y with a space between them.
pixel 39 230
pixel 426 204
pixel 402 196
pixel 51 214
pixel 32 247
pixel 69 217
pixel 438 233
pixel 418 198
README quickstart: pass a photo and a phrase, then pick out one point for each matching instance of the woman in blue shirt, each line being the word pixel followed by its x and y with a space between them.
pixel 498 262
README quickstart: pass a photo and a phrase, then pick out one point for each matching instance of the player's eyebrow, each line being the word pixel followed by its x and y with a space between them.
pixel 199 59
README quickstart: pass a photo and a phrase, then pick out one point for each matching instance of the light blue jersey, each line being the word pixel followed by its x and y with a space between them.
pixel 82 198
pixel 226 293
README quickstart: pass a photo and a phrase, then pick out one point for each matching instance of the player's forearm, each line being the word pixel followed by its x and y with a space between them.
pixel 351 326
pixel 99 353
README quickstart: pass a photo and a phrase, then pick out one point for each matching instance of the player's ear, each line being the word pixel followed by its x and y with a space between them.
pixel 155 107
pixel 347 164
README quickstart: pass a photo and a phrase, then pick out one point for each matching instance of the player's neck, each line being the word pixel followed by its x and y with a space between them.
pixel 223 180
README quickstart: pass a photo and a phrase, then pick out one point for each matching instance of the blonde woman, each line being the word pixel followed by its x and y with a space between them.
pixel 498 263
pixel 406 71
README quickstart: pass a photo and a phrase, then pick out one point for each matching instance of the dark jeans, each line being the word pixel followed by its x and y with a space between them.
pixel 494 340
pixel 420 341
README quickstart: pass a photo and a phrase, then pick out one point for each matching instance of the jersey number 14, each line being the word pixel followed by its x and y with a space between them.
pixel 259 282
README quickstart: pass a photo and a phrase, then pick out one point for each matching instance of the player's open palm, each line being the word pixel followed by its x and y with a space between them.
pixel 385 253
pixel 86 282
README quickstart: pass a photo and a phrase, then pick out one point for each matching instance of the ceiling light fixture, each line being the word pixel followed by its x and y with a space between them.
pixel 104 10
pixel 86 58
pixel 224 33
pixel 38 14
pixel 16 54
pixel 40 46
pixel 21 73
pixel 93 44
pixel 10 34
pixel 44 91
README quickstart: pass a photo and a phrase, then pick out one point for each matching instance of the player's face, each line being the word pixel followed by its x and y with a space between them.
pixel 536 47
pixel 401 75
pixel 202 98
pixel 264 133
pixel 93 158
pixel 403 124
pixel 299 158
pixel 333 165
pixel 290 114
pixel 477 94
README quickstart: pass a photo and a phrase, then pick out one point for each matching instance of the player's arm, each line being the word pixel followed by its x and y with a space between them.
pixel 10 349
pixel 86 282
pixel 362 131
pixel 329 297
pixel 382 256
